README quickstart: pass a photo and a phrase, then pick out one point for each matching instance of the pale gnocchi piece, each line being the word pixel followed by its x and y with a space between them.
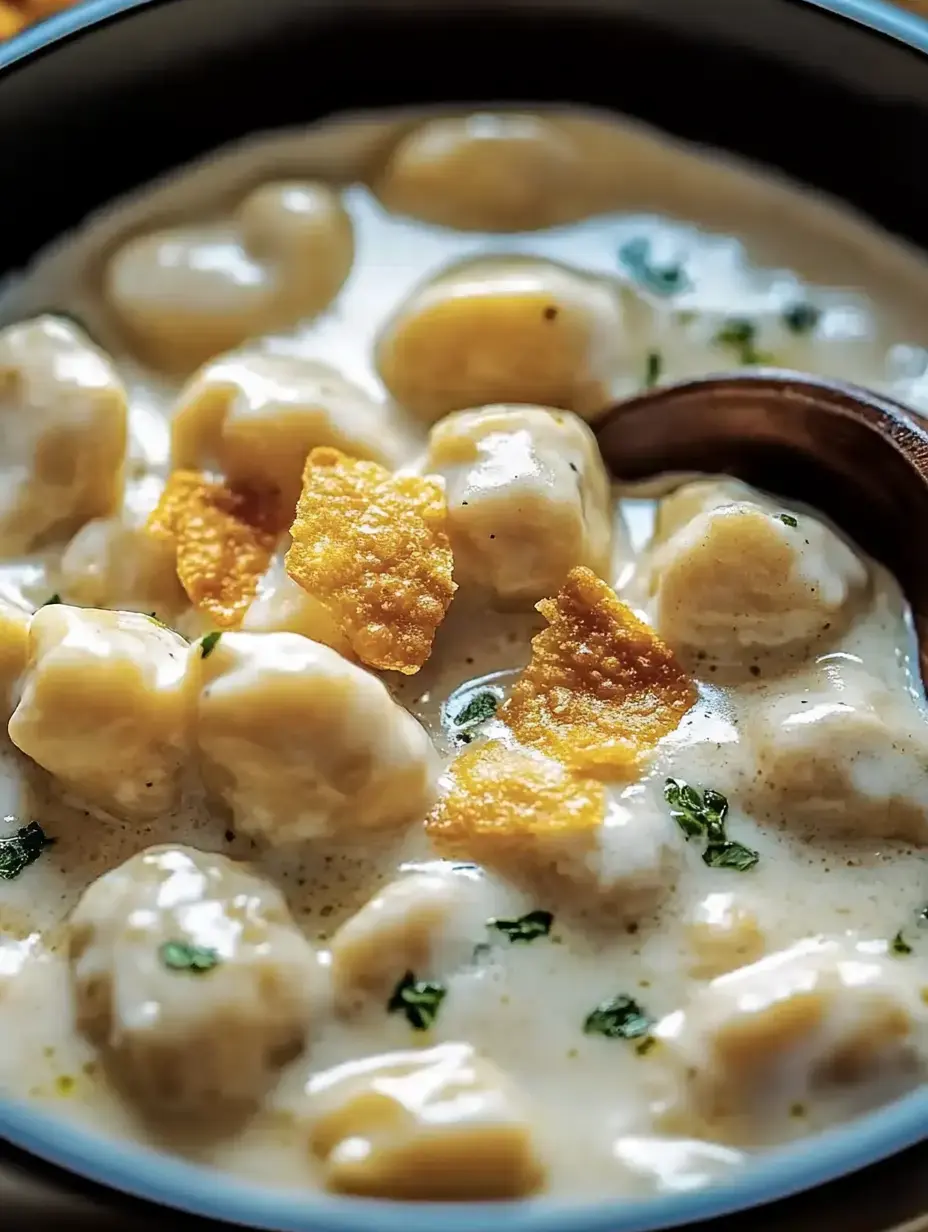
pixel 192 979
pixel 845 757
pixel 486 172
pixel 63 432
pixel 407 926
pixel 114 562
pixel 105 708
pixel 280 606
pixel 748 577
pixel 528 499
pixel 437 1124
pixel 14 651
pixel 506 330
pixel 830 1024
pixel 723 933
pixel 256 416
pixel 189 292
pixel 301 744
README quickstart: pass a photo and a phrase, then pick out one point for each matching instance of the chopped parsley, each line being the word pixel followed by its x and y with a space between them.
pixel 19 850
pixel 419 1000
pixel 659 279
pixel 740 335
pixel 525 928
pixel 899 944
pixel 208 643
pixel 703 816
pixel 801 318
pixel 787 519
pixel 52 600
pixel 729 854
pixel 652 369
pixel 182 956
pixel 482 706
pixel 619 1018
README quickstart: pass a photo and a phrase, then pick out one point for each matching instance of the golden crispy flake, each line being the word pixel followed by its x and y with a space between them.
pixel 510 807
pixel 373 548
pixel 225 539
pixel 601 688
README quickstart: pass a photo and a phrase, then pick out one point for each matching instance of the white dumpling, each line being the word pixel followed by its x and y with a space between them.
pixel 436 1124
pixel 190 292
pixel 503 330
pixel 62 432
pixel 528 499
pixel 255 417
pixel 421 922
pixel 192 979
pixel 281 606
pixel 844 757
pixel 301 744
pixel 105 708
pixel 486 172
pixel 830 1027
pixel 115 563
pixel 723 933
pixel 747 577
pixel 14 651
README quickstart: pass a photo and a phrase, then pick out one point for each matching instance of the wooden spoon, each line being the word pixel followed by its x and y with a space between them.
pixel 860 458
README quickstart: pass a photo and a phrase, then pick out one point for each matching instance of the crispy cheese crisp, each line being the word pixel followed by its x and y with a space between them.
pixel 508 806
pixel 225 539
pixel 373 548
pixel 602 688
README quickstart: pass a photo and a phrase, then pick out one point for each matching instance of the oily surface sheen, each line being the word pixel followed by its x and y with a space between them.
pixel 704 970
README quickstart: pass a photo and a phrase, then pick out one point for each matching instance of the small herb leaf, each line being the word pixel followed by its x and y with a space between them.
pixel 724 853
pixel 801 318
pixel 686 808
pixel 787 519
pixel 208 643
pixel 419 1000
pixel 525 928
pixel 19 850
pixel 652 369
pixel 619 1018
pixel 182 956
pixel 669 279
pixel 740 335
pixel 899 944
pixel 482 706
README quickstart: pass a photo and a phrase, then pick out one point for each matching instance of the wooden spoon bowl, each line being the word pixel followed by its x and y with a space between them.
pixel 860 458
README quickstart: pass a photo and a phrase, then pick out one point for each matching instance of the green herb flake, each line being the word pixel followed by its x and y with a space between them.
pixel 526 928
pixel 667 279
pixel 182 956
pixel 419 1000
pixel 801 318
pixel 740 335
pixel 900 946
pixel 646 1045
pixel 787 519
pixel 703 816
pixel 619 1018
pixel 728 854
pixel 208 643
pixel 482 706
pixel 652 369
pixel 52 600
pixel 19 850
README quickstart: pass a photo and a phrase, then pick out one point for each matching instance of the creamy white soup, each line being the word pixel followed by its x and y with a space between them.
pixel 393 804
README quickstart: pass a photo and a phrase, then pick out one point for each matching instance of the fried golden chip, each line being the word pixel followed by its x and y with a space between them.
pixel 373 548
pixel 225 539
pixel 601 688
pixel 510 807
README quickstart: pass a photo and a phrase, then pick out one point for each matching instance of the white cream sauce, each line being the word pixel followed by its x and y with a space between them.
pixel 751 247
